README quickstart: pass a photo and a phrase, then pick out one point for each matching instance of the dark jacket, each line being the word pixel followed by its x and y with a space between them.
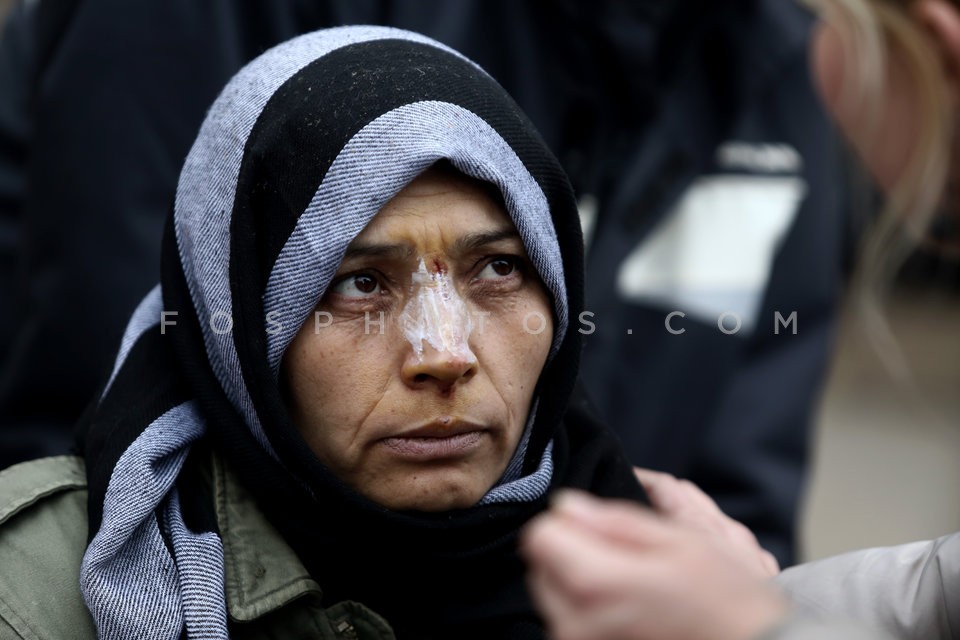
pixel 727 207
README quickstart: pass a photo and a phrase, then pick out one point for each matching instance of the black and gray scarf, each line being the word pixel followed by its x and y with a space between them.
pixel 299 152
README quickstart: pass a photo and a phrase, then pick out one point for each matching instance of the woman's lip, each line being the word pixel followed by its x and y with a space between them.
pixel 434 447
pixel 442 427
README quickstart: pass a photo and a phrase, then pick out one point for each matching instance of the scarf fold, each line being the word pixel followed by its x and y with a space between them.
pixel 134 586
pixel 296 156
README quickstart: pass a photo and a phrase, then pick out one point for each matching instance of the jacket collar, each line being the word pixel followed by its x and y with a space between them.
pixel 261 572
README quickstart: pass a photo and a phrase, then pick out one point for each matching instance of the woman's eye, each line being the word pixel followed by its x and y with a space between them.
pixel 357 286
pixel 498 268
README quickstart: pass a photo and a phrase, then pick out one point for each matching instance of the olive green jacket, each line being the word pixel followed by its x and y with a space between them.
pixel 43 534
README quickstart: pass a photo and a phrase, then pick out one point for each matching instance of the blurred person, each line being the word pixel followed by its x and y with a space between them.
pixel 355 375
pixel 687 128
pixel 717 256
pixel 887 71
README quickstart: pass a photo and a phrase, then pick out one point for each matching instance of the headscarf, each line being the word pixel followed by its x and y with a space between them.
pixel 299 152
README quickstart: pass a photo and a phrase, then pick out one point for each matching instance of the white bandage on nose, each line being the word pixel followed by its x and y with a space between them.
pixel 436 314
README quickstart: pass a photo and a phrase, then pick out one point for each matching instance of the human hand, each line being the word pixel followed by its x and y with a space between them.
pixel 683 502
pixel 604 569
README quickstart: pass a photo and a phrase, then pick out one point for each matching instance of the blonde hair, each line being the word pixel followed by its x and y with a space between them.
pixel 870 30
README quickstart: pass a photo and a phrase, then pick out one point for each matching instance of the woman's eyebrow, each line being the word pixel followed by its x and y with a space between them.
pixel 475 241
pixel 396 251
pixel 467 243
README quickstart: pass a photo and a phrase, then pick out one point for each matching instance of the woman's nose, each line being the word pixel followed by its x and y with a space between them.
pixel 442 369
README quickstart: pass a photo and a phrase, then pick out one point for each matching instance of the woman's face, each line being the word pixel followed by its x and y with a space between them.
pixel 886 148
pixel 886 144
pixel 413 380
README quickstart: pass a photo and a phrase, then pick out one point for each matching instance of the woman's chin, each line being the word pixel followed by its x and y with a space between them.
pixel 433 490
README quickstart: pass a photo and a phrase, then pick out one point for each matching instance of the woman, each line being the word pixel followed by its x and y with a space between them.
pixel 888 71
pixel 350 389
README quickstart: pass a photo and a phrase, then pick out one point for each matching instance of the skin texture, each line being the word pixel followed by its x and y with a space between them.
pixel 683 571
pixel 608 569
pixel 884 150
pixel 884 156
pixel 430 431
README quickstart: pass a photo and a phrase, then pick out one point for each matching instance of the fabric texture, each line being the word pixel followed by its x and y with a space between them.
pixel 42 540
pixel 907 591
pixel 299 152
pixel 43 537
pixel 797 627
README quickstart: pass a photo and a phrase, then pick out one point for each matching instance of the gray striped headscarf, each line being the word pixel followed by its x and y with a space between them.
pixel 239 255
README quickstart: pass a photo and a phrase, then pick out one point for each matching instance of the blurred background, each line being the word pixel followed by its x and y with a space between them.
pixel 880 444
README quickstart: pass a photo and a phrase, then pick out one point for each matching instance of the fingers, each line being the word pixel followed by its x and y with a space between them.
pixel 569 619
pixel 614 520
pixel 602 569
pixel 678 502
pixel 550 601
pixel 674 498
pixel 770 564
pixel 581 581
pixel 683 502
pixel 569 551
